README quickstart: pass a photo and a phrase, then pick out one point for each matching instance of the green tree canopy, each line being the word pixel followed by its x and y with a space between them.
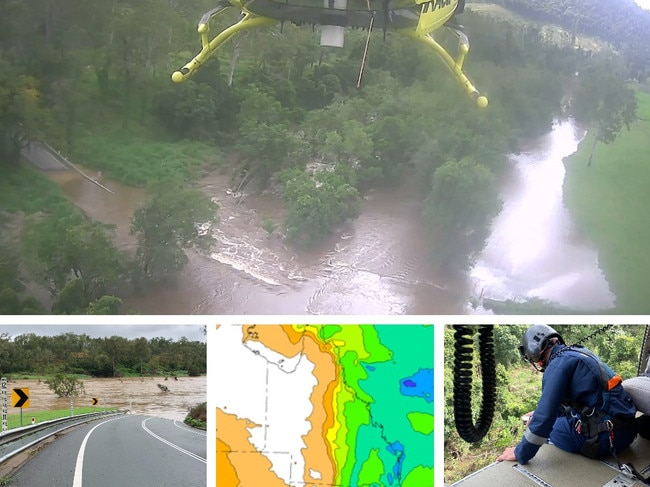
pixel 65 249
pixel 318 203
pixel 459 210
pixel 66 385
pixel 169 223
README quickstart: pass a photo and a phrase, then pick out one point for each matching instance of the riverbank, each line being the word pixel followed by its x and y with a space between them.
pixel 610 201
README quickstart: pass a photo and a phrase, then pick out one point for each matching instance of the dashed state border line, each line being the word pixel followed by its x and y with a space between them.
pixel 310 483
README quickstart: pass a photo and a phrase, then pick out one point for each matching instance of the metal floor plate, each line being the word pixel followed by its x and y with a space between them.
pixel 552 467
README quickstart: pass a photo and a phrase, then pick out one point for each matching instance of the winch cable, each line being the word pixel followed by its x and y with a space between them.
pixel 463 355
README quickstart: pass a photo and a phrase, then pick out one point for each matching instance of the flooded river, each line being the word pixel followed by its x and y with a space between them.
pixel 140 395
pixel 534 249
pixel 377 264
pixel 374 265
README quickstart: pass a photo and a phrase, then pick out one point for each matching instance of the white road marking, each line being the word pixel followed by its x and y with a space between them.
pixel 79 466
pixel 167 442
pixel 189 429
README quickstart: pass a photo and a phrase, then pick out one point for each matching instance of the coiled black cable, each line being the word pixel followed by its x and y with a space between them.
pixel 463 354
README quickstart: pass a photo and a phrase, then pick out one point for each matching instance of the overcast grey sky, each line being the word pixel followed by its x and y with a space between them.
pixel 174 332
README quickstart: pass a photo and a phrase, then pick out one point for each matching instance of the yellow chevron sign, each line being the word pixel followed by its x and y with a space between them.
pixel 20 398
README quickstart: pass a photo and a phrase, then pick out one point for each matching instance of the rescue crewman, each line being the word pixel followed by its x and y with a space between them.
pixel 583 407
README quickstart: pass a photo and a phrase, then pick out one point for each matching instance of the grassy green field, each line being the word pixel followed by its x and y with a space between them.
pixel 610 202
pixel 13 420
pixel 136 161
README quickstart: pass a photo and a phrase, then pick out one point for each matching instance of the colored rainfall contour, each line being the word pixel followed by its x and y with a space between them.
pixel 369 445
pixel 419 384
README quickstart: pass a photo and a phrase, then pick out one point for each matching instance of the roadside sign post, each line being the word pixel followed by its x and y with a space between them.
pixel 20 399
pixel 5 426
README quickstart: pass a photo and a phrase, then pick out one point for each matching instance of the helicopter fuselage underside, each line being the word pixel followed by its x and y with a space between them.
pixel 356 15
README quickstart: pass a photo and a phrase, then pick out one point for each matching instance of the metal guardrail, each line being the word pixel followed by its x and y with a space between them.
pixel 17 433
pixel 14 433
pixel 31 153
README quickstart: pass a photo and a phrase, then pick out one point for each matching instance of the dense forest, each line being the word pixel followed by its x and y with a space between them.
pixel 519 387
pixel 114 356
pixel 93 80
pixel 623 24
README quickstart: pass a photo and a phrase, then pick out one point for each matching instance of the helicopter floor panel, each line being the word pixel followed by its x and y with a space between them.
pixel 553 467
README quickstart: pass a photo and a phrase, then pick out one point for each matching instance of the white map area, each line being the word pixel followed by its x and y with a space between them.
pixel 259 384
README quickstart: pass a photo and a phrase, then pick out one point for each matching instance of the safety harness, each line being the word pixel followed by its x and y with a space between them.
pixel 590 422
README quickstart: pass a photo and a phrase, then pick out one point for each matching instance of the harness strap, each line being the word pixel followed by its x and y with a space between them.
pixel 597 423
pixel 627 468
pixel 607 383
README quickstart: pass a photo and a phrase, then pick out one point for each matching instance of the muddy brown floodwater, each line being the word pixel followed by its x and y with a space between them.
pixel 378 263
pixel 140 395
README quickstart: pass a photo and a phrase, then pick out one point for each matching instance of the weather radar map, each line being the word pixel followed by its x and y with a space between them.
pixel 324 405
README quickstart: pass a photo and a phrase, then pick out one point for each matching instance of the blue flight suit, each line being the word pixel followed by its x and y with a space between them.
pixel 574 377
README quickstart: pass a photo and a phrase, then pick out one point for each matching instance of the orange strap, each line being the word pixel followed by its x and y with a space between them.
pixel 613 382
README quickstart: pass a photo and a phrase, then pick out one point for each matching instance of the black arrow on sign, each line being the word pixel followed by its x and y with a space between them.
pixel 23 398
pixel 95 401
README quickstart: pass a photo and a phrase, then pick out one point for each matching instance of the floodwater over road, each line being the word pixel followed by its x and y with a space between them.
pixel 140 395
pixel 534 249
pixel 377 264
pixel 114 209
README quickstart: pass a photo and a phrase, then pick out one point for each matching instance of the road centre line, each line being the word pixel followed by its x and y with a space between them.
pixel 79 466
pixel 167 442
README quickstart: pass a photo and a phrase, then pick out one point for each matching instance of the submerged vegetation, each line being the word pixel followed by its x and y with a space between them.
pixel 197 416
pixel 94 82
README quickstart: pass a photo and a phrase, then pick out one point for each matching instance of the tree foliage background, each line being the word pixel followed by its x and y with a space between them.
pixel 114 356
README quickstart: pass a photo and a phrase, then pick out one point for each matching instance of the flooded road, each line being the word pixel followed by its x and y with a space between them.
pixel 378 263
pixel 140 395
pixel 113 209
pixel 534 249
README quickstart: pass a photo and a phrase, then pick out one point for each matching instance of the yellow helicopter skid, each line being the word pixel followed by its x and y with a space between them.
pixel 430 18
pixel 208 48
pixel 455 66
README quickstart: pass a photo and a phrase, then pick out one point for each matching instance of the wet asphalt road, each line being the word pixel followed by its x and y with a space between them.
pixel 124 451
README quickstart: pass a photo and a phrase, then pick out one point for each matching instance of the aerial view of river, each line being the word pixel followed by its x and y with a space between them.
pixel 377 264
pixel 534 249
